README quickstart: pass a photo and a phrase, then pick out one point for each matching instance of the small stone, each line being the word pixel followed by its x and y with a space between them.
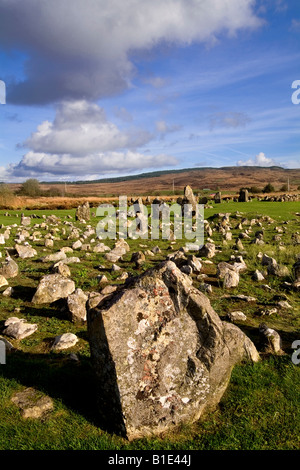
pixel 258 276
pixel 284 304
pixel 3 281
pixel 237 316
pixel 64 341
pixel 8 292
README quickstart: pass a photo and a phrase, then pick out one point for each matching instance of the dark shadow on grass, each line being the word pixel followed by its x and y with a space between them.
pixel 73 383
pixel 24 293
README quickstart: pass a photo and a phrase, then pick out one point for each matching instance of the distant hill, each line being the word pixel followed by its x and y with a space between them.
pixel 225 179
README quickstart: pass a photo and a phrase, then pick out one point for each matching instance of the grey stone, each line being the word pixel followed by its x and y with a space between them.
pixel 25 251
pixel 83 212
pixel 161 354
pixel 64 341
pixel 9 268
pixel 77 306
pixel 53 287
pixel 18 328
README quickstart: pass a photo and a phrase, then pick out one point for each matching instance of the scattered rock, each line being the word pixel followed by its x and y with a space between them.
pixel 64 341
pixel 18 328
pixel 53 287
pixel 208 250
pixel 231 279
pixel 9 268
pixel 3 281
pixel 237 316
pixel 258 276
pixel 77 306
pixel 271 339
pixel 25 251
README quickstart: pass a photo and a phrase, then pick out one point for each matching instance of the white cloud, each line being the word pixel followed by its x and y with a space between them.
pixel 82 128
pixel 52 165
pixel 82 49
pixel 81 142
pixel 260 160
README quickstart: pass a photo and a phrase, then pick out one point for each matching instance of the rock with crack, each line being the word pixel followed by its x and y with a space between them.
pixel 53 287
pixel 161 354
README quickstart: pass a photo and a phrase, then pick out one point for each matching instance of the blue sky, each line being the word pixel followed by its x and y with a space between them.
pixel 97 89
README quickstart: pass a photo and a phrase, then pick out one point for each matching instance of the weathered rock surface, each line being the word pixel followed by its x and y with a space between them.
pixel 18 328
pixel 25 251
pixel 9 268
pixel 3 281
pixel 83 212
pixel 32 403
pixel 161 354
pixel 53 287
pixel 77 306
pixel 64 341
pixel 208 250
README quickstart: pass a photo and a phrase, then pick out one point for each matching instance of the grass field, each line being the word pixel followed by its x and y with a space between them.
pixel 260 409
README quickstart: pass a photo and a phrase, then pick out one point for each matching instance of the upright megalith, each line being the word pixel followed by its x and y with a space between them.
pixel 161 354
pixel 244 195
pixel 83 212
pixel 218 198
pixel 189 198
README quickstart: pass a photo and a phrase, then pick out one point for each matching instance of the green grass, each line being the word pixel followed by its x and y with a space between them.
pixel 260 409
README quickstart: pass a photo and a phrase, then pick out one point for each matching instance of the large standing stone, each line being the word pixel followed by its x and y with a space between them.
pixel 217 198
pixel 53 287
pixel 161 354
pixel 83 212
pixel 189 198
pixel 244 195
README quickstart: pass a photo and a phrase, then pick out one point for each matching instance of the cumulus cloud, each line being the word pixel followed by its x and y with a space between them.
pixel 260 160
pixel 35 164
pixel 81 142
pixel 83 49
pixel 79 128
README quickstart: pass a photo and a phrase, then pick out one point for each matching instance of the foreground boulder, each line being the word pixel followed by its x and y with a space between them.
pixel 53 287
pixel 161 354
